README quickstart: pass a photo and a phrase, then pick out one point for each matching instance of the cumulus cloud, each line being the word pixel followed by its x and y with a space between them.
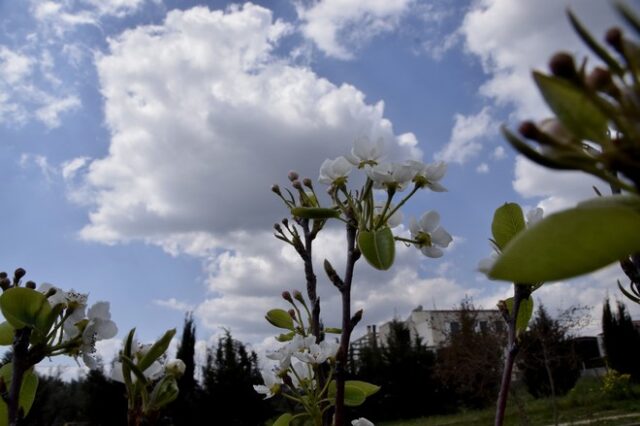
pixel 499 153
pixel 482 168
pixel 203 119
pixel 466 137
pixel 337 27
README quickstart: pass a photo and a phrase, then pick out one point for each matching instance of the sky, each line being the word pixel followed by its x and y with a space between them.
pixel 140 139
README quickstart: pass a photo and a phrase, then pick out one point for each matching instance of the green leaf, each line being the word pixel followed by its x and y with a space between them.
pixel 570 243
pixel 378 247
pixel 333 330
pixel 367 388
pixel 315 213
pixel 353 396
pixel 280 318
pixel 156 350
pixel 283 420
pixel 524 312
pixel 6 334
pixel 134 369
pixel 24 307
pixel 286 336
pixel 508 220
pixel 27 393
pixel 573 107
pixel 164 392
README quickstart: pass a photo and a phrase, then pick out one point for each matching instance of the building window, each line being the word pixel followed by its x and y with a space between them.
pixel 454 327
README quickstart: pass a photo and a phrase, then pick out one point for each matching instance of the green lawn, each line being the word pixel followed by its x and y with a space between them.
pixel 585 402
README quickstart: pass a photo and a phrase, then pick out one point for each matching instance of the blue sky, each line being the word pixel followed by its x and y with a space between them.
pixel 140 139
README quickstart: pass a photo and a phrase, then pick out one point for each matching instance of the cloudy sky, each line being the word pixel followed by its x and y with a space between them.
pixel 140 139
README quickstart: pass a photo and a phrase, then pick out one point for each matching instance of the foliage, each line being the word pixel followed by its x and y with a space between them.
pixel 369 212
pixel 184 410
pixel 621 340
pixel 404 368
pixel 227 396
pixel 616 385
pixel 470 363
pixel 547 360
pixel 150 381
pixel 595 130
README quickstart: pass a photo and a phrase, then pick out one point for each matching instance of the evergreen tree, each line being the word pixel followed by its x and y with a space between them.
pixel 186 409
pixel 229 376
pixel 404 368
pixel 621 341
pixel 470 365
pixel 547 359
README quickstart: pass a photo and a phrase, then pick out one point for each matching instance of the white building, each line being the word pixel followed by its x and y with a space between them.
pixel 434 326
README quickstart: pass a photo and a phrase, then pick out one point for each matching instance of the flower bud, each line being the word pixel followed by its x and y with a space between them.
pixel 599 79
pixel 275 189
pixel 293 175
pixel 5 283
pixel 554 128
pixel 357 316
pixel 31 285
pixel 285 222
pixel 562 65
pixel 3 275
pixel 287 296
pixel 298 296
pixel 307 182
pixel 278 228
pixel 614 38
pixel 292 313
pixel 18 274
pixel 175 368
pixel 296 184
pixel 529 130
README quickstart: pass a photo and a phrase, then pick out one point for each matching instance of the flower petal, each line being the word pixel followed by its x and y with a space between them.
pixel 431 251
pixel 429 221
pixel 440 237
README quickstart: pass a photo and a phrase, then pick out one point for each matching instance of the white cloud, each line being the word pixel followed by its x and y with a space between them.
pixel 499 153
pixel 557 189
pixel 527 35
pixel 204 119
pixel 339 26
pixel 23 98
pixel 39 161
pixel 482 168
pixel 50 112
pixel 174 304
pixel 466 136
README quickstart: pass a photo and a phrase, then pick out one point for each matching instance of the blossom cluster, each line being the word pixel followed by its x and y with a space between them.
pixel 81 327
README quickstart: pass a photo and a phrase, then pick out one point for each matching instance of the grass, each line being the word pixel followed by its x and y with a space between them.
pixel 584 402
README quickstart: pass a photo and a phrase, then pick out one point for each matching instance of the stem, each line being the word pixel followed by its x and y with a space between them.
pixel 521 291
pixel 348 323
pixel 20 364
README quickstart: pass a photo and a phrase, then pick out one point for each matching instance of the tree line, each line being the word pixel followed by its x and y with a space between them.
pixel 415 380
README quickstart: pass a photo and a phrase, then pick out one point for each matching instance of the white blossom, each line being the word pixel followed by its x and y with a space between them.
pixel 365 152
pixel 175 367
pixel 335 172
pixel 284 353
pixel 99 327
pixel 317 353
pixel 361 422
pixel 429 175
pixel 430 236
pixel 271 384
pixel 390 176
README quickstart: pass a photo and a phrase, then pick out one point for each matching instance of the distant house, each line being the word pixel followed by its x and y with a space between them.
pixel 432 326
